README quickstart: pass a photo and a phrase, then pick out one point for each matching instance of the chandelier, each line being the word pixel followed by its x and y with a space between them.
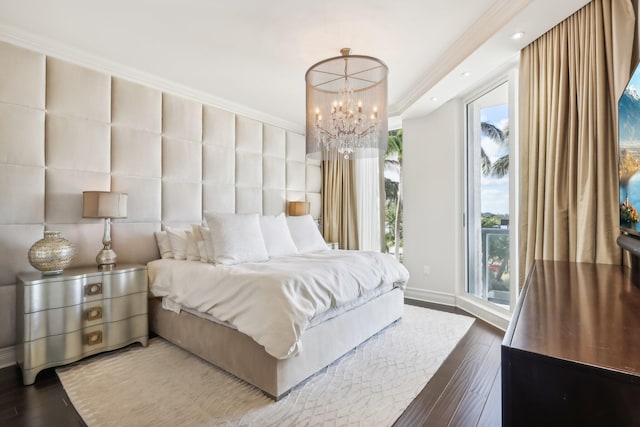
pixel 347 107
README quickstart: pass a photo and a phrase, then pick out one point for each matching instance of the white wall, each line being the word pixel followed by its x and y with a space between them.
pixel 434 189
pixel 432 173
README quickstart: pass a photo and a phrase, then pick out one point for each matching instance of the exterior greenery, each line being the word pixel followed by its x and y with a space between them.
pixel 393 192
pixel 500 167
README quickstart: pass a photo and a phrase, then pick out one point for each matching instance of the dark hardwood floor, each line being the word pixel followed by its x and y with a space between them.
pixel 465 391
pixel 43 404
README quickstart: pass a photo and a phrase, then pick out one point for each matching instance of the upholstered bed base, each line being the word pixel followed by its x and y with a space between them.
pixel 241 356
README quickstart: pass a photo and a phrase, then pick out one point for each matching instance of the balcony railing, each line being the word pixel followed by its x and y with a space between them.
pixel 495 265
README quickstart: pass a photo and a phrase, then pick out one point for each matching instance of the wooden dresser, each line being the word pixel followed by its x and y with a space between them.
pixel 83 311
pixel 571 354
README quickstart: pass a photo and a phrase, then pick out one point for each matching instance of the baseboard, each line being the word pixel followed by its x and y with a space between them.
pixel 431 296
pixel 7 356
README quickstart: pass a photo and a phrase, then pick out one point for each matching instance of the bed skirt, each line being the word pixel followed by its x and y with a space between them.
pixel 241 356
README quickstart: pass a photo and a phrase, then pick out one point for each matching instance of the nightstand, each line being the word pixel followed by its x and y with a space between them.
pixel 83 311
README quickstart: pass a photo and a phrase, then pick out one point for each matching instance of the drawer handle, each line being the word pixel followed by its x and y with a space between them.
pixel 94 313
pixel 92 289
pixel 94 338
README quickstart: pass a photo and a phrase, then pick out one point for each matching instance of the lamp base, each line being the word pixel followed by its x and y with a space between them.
pixel 106 259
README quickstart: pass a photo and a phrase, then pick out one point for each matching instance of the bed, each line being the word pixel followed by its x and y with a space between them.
pixel 277 322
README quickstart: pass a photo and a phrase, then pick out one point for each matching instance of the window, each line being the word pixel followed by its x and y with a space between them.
pixel 393 192
pixel 488 239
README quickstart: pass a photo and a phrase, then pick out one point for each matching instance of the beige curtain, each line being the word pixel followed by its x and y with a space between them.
pixel 570 80
pixel 339 215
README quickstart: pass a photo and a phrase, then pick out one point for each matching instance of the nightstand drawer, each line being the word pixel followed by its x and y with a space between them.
pixel 68 319
pixel 64 291
pixel 124 283
pixel 60 349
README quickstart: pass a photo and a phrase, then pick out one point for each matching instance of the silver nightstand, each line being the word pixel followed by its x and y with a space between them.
pixel 83 311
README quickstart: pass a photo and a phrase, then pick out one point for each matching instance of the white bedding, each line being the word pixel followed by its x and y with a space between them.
pixel 274 302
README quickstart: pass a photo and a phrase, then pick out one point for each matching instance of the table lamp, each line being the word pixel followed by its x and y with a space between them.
pixel 107 205
pixel 299 208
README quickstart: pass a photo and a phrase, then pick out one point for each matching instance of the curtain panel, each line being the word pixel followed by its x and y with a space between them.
pixel 339 209
pixel 570 81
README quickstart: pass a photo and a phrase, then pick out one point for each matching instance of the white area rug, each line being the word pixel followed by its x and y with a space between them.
pixel 162 385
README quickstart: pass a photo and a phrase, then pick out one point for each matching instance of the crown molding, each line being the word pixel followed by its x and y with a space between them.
pixel 67 53
pixel 498 15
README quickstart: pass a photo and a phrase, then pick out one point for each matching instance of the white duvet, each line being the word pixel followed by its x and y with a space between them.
pixel 273 302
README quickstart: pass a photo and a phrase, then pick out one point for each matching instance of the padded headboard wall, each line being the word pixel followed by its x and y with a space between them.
pixel 65 129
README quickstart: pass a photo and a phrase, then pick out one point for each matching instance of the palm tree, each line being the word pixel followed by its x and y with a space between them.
pixel 500 167
pixel 393 162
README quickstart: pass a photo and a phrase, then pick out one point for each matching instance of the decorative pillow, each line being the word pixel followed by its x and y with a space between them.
pixel 192 247
pixel 236 238
pixel 277 238
pixel 305 234
pixel 178 239
pixel 203 239
pixel 208 244
pixel 202 248
pixel 164 245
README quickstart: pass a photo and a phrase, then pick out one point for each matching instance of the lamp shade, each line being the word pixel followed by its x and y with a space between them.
pixel 299 208
pixel 347 107
pixel 104 204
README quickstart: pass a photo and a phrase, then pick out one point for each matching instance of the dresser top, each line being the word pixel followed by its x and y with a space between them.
pixel 584 313
pixel 34 277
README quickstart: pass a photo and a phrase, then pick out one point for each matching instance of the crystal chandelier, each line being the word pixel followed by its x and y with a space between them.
pixel 347 107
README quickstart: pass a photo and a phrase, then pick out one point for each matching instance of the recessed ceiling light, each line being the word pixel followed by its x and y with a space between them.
pixel 434 98
pixel 466 74
pixel 517 36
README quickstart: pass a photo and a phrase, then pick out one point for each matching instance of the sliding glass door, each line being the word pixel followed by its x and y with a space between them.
pixel 489 272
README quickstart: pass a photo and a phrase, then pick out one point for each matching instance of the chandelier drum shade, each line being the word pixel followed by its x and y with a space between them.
pixel 347 107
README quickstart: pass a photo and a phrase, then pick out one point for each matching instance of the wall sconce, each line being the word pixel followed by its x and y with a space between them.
pixel 107 205
pixel 299 208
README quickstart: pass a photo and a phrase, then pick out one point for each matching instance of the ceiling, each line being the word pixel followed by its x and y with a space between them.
pixel 252 55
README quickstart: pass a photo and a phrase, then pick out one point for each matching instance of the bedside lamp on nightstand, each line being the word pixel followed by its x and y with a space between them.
pixel 107 205
pixel 299 208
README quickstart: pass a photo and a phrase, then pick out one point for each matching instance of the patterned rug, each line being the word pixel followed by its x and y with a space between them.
pixel 163 385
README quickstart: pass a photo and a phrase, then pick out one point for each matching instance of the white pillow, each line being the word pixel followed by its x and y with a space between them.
pixel 277 238
pixel 236 238
pixel 202 235
pixel 203 251
pixel 305 234
pixel 192 247
pixel 208 244
pixel 164 245
pixel 178 239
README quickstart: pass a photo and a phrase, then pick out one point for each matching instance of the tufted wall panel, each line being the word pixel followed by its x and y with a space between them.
pixel 65 129
pixel 219 159
pixel 22 170
pixel 136 167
